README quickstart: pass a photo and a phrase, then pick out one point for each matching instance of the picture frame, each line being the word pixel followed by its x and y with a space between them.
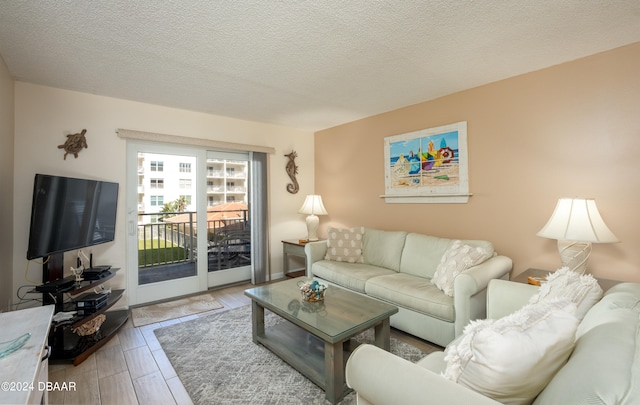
pixel 427 166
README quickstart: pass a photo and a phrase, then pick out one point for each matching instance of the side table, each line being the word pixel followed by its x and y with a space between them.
pixel 540 273
pixel 293 248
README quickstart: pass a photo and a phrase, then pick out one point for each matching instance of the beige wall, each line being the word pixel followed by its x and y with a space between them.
pixel 572 130
pixel 6 183
pixel 45 115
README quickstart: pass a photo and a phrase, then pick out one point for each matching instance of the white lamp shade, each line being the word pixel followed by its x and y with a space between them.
pixel 313 206
pixel 577 219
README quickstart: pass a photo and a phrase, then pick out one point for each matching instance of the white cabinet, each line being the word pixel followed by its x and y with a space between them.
pixel 24 373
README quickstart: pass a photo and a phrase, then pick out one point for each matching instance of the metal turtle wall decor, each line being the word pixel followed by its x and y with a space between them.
pixel 74 144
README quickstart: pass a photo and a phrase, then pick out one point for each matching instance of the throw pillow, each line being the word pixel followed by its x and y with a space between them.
pixel 512 359
pixel 345 245
pixel 582 289
pixel 458 258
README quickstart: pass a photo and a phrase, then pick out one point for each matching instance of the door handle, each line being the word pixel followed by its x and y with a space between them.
pixel 47 354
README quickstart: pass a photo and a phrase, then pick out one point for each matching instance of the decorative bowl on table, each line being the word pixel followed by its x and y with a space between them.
pixel 312 291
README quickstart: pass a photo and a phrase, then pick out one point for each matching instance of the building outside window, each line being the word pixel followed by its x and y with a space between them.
pixel 157 183
pixel 157 200
pixel 185 167
pixel 185 184
pixel 157 166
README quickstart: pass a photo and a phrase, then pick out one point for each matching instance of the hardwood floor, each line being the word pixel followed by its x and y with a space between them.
pixel 133 369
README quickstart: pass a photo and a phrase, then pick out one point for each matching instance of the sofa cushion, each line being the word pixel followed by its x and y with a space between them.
pixel 581 289
pixel 604 367
pixel 513 358
pixel 345 245
pixel 349 275
pixel 422 254
pixel 411 292
pixel 458 258
pixel 383 248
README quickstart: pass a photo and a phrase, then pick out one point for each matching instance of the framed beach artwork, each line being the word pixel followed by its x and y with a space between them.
pixel 427 166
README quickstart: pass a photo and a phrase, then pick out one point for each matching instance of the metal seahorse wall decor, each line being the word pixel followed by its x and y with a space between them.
pixel 292 170
pixel 74 144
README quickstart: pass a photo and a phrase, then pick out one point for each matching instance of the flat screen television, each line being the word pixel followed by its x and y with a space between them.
pixel 70 213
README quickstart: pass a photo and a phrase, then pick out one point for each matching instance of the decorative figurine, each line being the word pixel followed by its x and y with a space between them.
pixel 78 273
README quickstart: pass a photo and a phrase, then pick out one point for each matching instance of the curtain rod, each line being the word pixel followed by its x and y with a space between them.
pixel 185 140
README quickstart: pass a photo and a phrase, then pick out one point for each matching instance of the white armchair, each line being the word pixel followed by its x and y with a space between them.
pixel 602 365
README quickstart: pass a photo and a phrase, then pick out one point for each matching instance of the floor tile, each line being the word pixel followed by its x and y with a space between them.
pixel 179 393
pixel 164 364
pixel 153 389
pixel 140 362
pixel 131 338
pixel 117 389
pixel 110 361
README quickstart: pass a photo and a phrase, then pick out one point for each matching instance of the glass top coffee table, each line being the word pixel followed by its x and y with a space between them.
pixel 316 339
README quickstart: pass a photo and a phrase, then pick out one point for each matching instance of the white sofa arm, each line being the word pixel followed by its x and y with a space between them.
pixel 315 251
pixel 505 297
pixel 469 289
pixel 382 378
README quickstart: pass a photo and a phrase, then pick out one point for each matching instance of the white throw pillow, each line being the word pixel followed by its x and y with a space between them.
pixel 345 245
pixel 458 258
pixel 581 289
pixel 513 358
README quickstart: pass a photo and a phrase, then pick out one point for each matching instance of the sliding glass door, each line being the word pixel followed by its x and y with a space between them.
pixel 188 223
pixel 228 220
pixel 163 248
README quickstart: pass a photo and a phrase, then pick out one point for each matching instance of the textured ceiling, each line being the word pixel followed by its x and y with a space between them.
pixel 309 64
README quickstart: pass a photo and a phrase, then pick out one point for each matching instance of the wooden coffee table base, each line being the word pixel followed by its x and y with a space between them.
pixel 320 361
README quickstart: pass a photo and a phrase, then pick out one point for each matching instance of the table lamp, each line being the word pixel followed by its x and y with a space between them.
pixel 576 224
pixel 313 207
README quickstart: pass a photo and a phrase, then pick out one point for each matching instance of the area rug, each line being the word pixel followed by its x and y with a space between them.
pixel 174 309
pixel 218 363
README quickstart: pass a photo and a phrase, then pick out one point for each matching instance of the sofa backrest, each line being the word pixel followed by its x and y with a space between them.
pixel 422 253
pixel 383 248
pixel 604 367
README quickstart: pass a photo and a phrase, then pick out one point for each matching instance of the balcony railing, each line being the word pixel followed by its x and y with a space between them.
pixel 215 173
pixel 174 240
pixel 236 189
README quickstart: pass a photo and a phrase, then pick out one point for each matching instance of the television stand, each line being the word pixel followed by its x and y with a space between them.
pixel 67 345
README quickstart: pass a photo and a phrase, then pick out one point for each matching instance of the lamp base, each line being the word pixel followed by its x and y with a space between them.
pixel 574 255
pixel 312 227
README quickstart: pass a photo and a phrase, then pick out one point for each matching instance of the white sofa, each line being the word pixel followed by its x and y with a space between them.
pixel 397 268
pixel 603 368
